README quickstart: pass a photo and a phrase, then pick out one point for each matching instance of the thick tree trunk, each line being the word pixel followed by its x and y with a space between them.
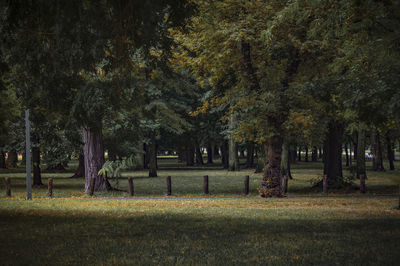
pixel 93 153
pixel 314 154
pixel 390 152
pixel 233 156
pixel 361 151
pixel 209 154
pixel 333 153
pixel 2 160
pixel 12 159
pixel 80 171
pixel 377 158
pixel 153 156
pixel 250 155
pixel 225 154
pixel 271 185
pixel 285 162
pixel 37 176
pixel 199 156
pixel 189 155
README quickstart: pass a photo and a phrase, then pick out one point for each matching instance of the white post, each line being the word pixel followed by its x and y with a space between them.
pixel 28 156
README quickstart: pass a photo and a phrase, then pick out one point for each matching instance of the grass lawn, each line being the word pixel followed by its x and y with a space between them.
pixel 224 228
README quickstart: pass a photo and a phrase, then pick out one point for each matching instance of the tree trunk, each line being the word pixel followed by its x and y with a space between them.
pixel 306 155
pixel 146 156
pixel 377 158
pixel 390 152
pixel 189 155
pixel 93 153
pixel 37 176
pixel 153 156
pixel 209 154
pixel 2 160
pixel 320 154
pixel 225 154
pixel 346 149
pixel 233 156
pixel 271 185
pixel 285 162
pixel 199 156
pixel 80 172
pixel 333 153
pixel 292 154
pixel 299 154
pixel 261 159
pixel 216 151
pixel 250 155
pixel 314 154
pixel 361 151
pixel 12 159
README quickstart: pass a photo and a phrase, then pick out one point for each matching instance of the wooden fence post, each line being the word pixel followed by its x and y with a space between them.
pixel 91 187
pixel 50 186
pixel 285 184
pixel 7 183
pixel 246 185
pixel 362 183
pixel 169 186
pixel 325 184
pixel 131 189
pixel 205 184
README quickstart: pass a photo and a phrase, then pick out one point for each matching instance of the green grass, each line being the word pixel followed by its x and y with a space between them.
pixel 305 228
pixel 287 231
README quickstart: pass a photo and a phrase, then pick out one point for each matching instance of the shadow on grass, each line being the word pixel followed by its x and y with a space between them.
pixel 61 238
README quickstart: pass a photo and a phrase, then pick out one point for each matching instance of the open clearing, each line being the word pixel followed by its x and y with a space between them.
pixel 304 228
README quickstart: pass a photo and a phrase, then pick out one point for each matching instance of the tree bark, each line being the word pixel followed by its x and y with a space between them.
pixel 285 161
pixel 314 154
pixel 2 160
pixel 361 151
pixel 189 155
pixel 390 152
pixel 346 149
pixel 12 159
pixel 93 153
pixel 333 153
pixel 271 185
pixel 37 176
pixel 209 154
pixel 225 154
pixel 250 155
pixel 80 171
pixel 292 154
pixel 199 156
pixel 377 158
pixel 153 156
pixel 233 156
pixel 216 151
pixel 145 156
